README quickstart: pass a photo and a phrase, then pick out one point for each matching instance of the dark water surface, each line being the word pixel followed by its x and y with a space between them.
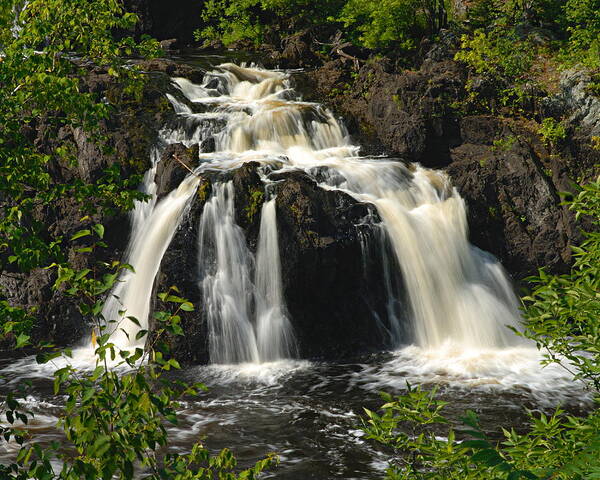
pixel 307 413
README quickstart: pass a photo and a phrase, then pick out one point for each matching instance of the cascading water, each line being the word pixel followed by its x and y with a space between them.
pixel 246 319
pixel 225 270
pixel 274 334
pixel 456 293
pixel 132 297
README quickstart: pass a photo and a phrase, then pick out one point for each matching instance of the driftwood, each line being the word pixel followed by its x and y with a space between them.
pixel 338 47
pixel 185 166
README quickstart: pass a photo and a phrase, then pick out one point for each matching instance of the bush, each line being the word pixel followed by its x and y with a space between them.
pixel 552 131
pixel 230 21
pixel 502 59
pixel 584 28
pixel 383 25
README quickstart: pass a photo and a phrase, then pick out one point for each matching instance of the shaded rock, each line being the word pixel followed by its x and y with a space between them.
pixel 297 51
pixel 332 304
pixel 333 292
pixel 410 113
pixel 513 205
pixel 167 20
pixel 173 69
pixel 171 170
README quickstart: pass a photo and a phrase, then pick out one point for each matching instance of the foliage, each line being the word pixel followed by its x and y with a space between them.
pixel 382 24
pixel 371 24
pixel 584 28
pixel 562 312
pixel 40 89
pixel 425 447
pixel 562 317
pixel 501 58
pixel 231 21
pixel 392 23
pixel 44 46
pixel 552 131
pixel 115 415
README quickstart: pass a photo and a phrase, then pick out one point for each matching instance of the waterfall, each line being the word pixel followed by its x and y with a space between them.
pixel 274 333
pixel 454 292
pixel 451 292
pixel 132 296
pixel 225 277
pixel 247 319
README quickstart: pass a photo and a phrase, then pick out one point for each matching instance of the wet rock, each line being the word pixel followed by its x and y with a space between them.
pixel 333 292
pixel 502 171
pixel 172 69
pixel 332 303
pixel 175 164
pixel 410 113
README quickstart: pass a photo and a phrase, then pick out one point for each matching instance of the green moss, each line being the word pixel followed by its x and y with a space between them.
pixel 504 144
pixel 257 197
pixel 296 212
pixel 203 190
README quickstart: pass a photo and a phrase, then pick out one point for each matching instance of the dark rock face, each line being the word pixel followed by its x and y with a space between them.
pixel 509 178
pixel 513 205
pixel 409 113
pixel 130 133
pixel 176 19
pixel 333 302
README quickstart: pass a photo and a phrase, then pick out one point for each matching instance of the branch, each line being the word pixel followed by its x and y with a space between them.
pixel 185 166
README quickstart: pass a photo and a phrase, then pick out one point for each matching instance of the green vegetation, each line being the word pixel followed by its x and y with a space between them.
pixel 371 24
pixel 255 201
pixel 391 23
pixel 562 318
pixel 552 131
pixel 39 84
pixel 256 21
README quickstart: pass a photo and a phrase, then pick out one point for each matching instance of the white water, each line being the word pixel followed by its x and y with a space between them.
pixel 274 333
pixel 225 272
pixel 132 297
pixel 459 301
pixel 247 319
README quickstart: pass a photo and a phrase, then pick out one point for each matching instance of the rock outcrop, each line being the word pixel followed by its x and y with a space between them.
pixel 335 303
pixel 508 176
pixel 129 134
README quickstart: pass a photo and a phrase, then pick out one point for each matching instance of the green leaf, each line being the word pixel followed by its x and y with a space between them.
pixel 99 230
pixel 22 340
pixel 80 234
pixel 187 307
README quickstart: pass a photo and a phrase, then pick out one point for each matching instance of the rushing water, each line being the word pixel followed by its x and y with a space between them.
pixel 457 300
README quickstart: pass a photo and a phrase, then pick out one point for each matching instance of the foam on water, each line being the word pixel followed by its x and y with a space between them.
pixel 517 369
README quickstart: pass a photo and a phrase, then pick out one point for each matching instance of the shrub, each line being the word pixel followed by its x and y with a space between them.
pixel 552 131
pixel 583 18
